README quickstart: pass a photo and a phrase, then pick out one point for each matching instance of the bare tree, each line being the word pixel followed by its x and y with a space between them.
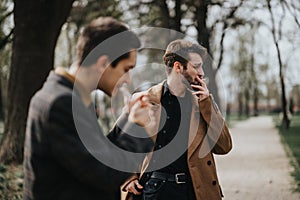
pixel 37 26
pixel 229 20
pixel 285 119
pixel 171 14
pixel 242 71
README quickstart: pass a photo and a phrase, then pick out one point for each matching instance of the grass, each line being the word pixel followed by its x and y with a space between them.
pixel 11 178
pixel 291 139
pixel 11 182
pixel 234 118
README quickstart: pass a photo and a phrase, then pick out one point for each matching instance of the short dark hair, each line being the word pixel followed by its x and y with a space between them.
pixel 178 50
pixel 96 35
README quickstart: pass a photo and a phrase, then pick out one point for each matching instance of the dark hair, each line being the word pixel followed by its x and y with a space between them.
pixel 178 50
pixel 95 40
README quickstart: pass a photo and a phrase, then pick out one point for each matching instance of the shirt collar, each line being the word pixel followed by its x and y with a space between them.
pixel 166 90
pixel 84 94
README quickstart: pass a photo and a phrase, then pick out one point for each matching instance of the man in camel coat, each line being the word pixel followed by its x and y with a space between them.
pixel 189 129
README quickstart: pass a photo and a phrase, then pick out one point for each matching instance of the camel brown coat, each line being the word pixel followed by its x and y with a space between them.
pixel 208 135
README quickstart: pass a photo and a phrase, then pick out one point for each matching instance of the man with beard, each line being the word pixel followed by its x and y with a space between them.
pixel 190 129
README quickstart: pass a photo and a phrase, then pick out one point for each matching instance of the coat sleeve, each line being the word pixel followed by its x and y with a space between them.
pixel 217 135
pixel 78 145
pixel 130 136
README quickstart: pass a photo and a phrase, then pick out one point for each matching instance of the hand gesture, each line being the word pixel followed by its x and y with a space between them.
pixel 201 90
pixel 134 187
pixel 140 110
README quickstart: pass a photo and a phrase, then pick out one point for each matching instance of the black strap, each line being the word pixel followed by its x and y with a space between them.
pixel 178 178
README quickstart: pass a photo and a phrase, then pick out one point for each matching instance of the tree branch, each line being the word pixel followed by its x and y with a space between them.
pixel 6 39
pixel 5 16
pixel 226 25
pixel 291 12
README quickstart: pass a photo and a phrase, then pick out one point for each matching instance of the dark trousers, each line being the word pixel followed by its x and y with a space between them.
pixel 156 189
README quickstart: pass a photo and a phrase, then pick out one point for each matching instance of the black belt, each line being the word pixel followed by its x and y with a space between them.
pixel 179 178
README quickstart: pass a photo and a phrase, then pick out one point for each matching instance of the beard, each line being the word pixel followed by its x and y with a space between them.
pixel 187 80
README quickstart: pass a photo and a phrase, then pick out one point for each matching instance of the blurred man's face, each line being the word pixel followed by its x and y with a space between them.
pixel 114 77
pixel 194 69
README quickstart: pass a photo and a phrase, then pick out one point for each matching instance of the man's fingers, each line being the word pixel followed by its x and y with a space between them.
pixel 198 87
pixel 136 182
pixel 132 187
pixel 139 97
pixel 202 82
pixel 141 113
pixel 198 79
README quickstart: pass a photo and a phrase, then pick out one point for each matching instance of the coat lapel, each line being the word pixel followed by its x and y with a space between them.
pixel 196 132
pixel 155 96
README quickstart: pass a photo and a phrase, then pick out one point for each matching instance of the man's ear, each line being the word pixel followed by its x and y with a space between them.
pixel 178 67
pixel 102 62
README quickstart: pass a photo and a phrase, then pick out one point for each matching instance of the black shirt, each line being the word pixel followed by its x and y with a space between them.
pixel 175 119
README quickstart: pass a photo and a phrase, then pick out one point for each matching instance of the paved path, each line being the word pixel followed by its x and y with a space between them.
pixel 257 168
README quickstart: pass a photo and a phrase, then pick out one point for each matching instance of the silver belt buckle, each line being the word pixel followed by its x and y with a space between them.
pixel 177 179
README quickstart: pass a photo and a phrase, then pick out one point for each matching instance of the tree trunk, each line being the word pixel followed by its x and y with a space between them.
pixel 201 17
pixel 241 105
pixel 285 120
pixel 203 39
pixel 164 11
pixel 247 102
pixel 37 26
pixel 69 44
pixel 255 100
pixel 178 16
pixel 1 98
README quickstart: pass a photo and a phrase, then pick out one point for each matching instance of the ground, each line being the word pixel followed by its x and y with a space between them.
pixel 257 167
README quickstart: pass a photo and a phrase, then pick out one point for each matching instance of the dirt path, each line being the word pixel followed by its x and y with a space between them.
pixel 257 168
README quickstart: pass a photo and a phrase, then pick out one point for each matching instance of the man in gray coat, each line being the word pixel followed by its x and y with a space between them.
pixel 64 143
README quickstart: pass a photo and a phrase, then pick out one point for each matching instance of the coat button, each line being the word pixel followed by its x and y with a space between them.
pixel 209 162
pixel 214 182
